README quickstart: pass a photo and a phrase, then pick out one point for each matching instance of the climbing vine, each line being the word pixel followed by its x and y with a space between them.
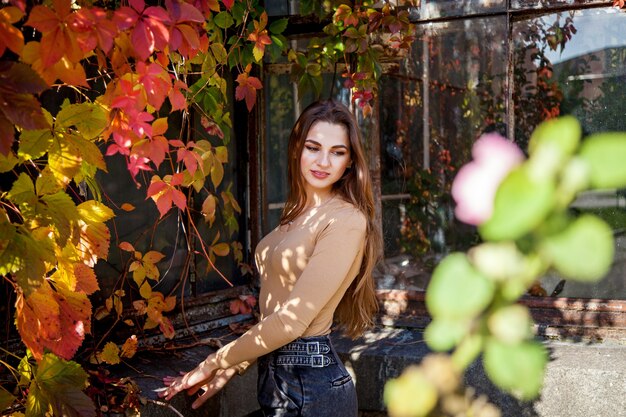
pixel 132 75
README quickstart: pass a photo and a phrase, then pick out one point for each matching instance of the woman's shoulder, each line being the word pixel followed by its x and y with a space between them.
pixel 346 214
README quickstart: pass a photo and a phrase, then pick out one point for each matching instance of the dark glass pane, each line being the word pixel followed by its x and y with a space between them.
pixel 281 113
pixel 545 4
pixel 583 75
pixel 430 116
pixel 277 7
pixel 432 9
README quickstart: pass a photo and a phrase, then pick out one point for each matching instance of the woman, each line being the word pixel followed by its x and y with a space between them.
pixel 316 265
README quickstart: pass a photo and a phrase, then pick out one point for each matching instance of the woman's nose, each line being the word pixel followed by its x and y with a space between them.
pixel 323 159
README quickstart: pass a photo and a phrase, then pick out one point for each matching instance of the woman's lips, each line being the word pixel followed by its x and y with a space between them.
pixel 319 174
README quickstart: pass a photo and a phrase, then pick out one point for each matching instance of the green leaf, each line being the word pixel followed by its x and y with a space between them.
pixel 34 143
pixel 46 183
pixel 279 26
pixel 60 385
pixel 563 132
pixel 511 324
pixel 7 162
pixel 7 231
pixel 583 251
pixel 605 153
pixel 238 11
pixel 457 291
pixel 411 394
pixel 23 191
pixel 88 118
pixel 88 150
pixel 6 398
pixel 219 52
pixel 521 204
pixel 224 20
pixel 443 334
pixel 516 368
pixel 62 214
pixel 26 258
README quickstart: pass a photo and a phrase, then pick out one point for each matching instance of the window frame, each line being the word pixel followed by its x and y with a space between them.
pixel 555 317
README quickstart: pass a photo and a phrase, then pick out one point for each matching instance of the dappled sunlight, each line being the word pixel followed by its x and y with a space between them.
pixel 371 337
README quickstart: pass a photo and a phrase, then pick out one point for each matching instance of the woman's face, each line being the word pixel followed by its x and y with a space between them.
pixel 325 156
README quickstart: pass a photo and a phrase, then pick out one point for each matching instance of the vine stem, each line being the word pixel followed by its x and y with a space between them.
pixel 166 405
pixel 206 254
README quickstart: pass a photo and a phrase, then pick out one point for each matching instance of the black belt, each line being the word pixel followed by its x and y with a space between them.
pixel 311 354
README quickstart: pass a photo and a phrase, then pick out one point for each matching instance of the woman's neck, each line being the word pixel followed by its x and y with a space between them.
pixel 317 199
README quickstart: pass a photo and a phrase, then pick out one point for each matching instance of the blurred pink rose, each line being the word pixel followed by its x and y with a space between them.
pixel 474 187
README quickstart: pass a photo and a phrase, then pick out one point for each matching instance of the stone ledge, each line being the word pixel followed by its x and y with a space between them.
pixel 582 380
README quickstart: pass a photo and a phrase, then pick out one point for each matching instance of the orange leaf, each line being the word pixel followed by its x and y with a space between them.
pixel 86 280
pixel 37 319
pixel 130 347
pixel 126 246
pixel 170 303
pixel 10 36
pixel 153 257
pixel 167 328
pixel 127 207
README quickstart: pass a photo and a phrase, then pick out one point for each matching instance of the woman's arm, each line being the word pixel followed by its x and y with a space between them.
pixel 332 266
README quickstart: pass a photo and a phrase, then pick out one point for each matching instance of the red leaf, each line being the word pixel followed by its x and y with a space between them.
pixel 177 98
pixel 235 306
pixel 247 89
pixel 155 81
pixel 228 3
pixel 156 186
pixel 75 315
pixel 183 12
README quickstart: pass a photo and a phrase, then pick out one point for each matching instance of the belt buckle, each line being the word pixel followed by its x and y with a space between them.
pixel 313 348
pixel 317 361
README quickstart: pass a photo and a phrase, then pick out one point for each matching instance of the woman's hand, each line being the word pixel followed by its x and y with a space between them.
pixel 221 377
pixel 206 376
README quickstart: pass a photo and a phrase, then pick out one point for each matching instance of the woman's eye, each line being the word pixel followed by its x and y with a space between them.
pixel 339 153
pixel 311 148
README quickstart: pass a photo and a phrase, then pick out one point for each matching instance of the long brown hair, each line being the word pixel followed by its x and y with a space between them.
pixel 356 310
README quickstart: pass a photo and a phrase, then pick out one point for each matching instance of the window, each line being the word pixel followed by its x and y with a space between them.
pixel 474 69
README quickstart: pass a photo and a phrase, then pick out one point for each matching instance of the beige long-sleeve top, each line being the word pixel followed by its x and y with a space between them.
pixel 305 268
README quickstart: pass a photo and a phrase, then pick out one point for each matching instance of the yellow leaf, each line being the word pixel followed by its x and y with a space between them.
pixel 134 265
pixel 110 354
pixel 145 290
pixel 119 308
pixel 151 271
pixel 150 324
pixel 217 174
pixel 129 322
pixel 139 275
pixel 221 249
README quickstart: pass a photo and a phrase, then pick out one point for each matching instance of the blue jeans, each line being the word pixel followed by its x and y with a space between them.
pixel 303 380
